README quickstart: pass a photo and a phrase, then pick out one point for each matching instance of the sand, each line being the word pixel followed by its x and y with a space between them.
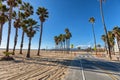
pixel 50 65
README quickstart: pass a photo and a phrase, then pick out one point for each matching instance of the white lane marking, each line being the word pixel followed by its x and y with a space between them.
pixel 86 56
pixel 83 74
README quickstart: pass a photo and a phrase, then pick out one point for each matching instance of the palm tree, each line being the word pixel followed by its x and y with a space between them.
pixel 111 40
pixel 116 32
pixel 56 41
pixel 43 14
pixel 66 30
pixel 103 37
pixel 17 24
pixel 3 19
pixel 68 36
pixel 28 10
pixel 105 29
pixel 12 4
pixel 63 39
pixel 92 20
pixel 30 33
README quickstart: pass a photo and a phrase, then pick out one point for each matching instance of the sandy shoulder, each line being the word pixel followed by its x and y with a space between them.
pixel 49 66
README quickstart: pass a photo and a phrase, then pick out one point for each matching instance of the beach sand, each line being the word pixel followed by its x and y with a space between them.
pixel 50 65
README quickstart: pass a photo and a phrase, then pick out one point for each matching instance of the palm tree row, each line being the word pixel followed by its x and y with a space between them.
pixel 28 11
pixel 43 15
pixel 108 34
pixel 105 28
pixel 92 20
pixel 62 39
pixel 112 35
pixel 21 20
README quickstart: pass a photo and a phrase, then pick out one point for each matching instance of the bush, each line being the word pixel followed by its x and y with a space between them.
pixel 8 53
pixel 7 56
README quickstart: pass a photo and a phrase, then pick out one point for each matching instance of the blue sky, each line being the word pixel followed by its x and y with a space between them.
pixel 72 14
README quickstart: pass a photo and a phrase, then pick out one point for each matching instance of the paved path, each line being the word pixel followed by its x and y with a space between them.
pixel 87 67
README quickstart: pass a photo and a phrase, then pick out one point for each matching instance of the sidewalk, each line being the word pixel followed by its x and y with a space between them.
pixel 103 55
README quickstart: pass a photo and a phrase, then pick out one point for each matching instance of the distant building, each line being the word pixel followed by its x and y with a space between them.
pixel 116 49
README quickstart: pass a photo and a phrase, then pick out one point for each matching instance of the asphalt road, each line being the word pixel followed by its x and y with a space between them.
pixel 87 67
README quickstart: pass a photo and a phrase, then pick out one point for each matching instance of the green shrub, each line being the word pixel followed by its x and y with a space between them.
pixel 8 53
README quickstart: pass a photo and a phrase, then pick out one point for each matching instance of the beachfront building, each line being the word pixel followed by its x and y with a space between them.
pixel 116 49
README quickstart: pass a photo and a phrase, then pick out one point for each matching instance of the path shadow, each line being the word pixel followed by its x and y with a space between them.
pixel 88 64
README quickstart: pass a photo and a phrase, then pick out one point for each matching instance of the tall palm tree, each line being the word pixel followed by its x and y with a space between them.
pixel 103 37
pixel 17 24
pixel 27 11
pixel 92 20
pixel 56 41
pixel 105 29
pixel 31 30
pixel 111 40
pixel 3 18
pixel 116 32
pixel 11 4
pixel 68 36
pixel 63 39
pixel 66 30
pixel 43 14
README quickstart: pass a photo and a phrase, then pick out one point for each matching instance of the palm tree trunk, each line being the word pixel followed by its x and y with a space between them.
pixel 40 38
pixel 94 39
pixel 29 47
pixel 67 43
pixel 9 28
pixel 105 29
pixel 21 45
pixel 15 40
pixel 1 28
pixel 64 46
pixel 61 46
pixel 106 47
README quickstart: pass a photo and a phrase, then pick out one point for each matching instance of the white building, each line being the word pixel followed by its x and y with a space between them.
pixel 116 46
